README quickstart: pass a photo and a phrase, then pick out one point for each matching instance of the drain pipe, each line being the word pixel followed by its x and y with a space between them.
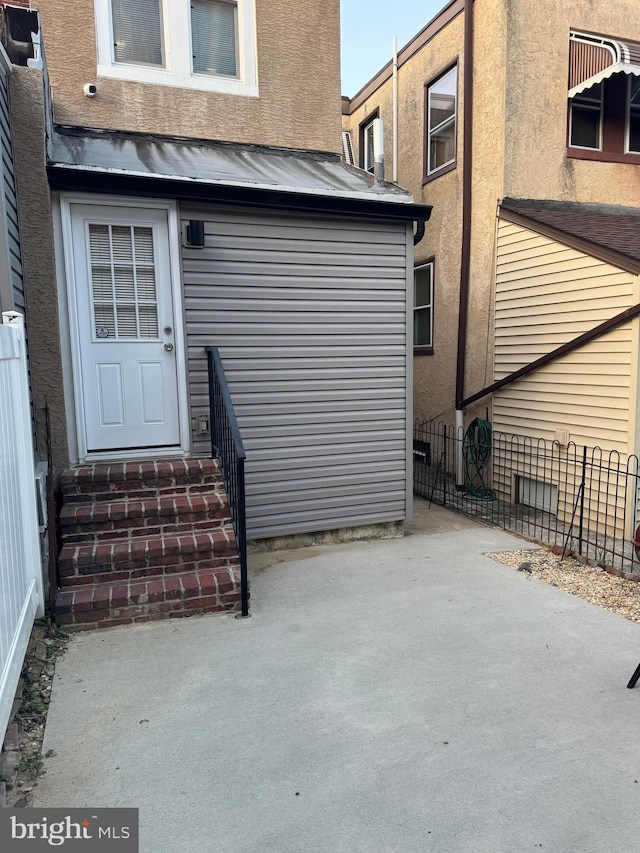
pixel 394 131
pixel 465 258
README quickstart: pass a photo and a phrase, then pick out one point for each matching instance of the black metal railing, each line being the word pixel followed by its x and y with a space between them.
pixel 227 448
pixel 584 499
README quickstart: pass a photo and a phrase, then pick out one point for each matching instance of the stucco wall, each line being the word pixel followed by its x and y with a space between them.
pixel 536 127
pixel 434 375
pixel 521 56
pixel 34 204
pixel 298 70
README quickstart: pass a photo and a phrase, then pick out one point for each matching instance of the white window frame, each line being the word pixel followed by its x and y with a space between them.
pixel 367 131
pixel 178 66
pixel 433 170
pixel 627 129
pixel 594 106
pixel 431 266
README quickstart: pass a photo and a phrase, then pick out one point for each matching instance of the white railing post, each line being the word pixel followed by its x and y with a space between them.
pixel 25 461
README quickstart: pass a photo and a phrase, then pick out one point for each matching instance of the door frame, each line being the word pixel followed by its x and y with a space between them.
pixel 67 200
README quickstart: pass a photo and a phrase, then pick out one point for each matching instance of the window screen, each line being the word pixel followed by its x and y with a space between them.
pixel 137 31
pixel 586 118
pixel 214 37
pixel 423 306
pixel 123 282
pixel 368 148
pixel 441 120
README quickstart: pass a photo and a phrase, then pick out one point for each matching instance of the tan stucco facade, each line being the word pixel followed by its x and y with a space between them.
pixel 536 103
pixel 298 66
pixel 520 71
pixel 434 375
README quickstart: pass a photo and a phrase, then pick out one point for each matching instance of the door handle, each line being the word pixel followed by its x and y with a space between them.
pixel 168 347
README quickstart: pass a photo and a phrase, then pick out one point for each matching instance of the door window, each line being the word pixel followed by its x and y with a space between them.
pixel 123 282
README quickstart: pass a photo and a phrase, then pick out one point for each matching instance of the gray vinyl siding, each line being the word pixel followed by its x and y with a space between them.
pixel 13 286
pixel 310 315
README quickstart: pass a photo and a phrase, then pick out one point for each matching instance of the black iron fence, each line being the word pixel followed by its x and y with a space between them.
pixel 583 499
pixel 227 447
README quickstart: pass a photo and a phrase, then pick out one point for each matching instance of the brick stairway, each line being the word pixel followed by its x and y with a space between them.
pixel 144 541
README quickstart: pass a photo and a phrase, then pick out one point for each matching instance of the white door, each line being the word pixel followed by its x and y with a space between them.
pixel 125 328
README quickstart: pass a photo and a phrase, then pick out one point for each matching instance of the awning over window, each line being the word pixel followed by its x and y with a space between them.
pixel 594 58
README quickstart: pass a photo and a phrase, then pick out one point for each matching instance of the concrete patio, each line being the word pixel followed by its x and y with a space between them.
pixel 404 695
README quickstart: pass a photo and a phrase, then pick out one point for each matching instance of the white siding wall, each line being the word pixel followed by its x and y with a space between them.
pixel 310 315
pixel 548 294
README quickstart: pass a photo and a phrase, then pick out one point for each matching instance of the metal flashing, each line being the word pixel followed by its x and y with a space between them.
pixel 91 160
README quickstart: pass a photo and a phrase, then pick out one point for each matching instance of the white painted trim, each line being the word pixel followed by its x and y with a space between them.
pixel 77 426
pixel 177 71
pixel 68 383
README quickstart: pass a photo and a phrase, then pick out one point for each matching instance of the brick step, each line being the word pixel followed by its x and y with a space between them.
pixel 134 557
pixel 125 519
pixel 110 603
pixel 121 480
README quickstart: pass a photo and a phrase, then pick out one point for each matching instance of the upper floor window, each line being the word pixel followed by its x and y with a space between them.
pixel 423 308
pixel 366 141
pixel 633 118
pixel 441 118
pixel 604 98
pixel 585 119
pixel 197 44
pixel 137 32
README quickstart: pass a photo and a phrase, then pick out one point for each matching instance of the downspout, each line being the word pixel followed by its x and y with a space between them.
pixel 394 129
pixel 465 259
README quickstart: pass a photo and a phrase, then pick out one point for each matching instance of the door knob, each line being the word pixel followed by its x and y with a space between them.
pixel 168 330
pixel 168 347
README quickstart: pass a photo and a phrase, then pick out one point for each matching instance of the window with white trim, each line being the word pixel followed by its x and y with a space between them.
pixel 367 150
pixel 441 107
pixel 366 156
pixel 197 44
pixel 423 306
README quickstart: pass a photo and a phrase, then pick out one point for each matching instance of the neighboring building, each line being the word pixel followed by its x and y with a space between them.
pixel 555 96
pixel 198 198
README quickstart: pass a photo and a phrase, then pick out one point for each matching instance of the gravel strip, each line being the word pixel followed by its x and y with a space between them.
pixel 591 583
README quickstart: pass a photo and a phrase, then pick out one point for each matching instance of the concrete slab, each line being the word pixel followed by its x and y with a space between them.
pixel 400 695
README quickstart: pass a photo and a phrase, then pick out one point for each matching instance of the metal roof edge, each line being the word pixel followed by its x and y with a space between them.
pixel 65 177
pixel 372 195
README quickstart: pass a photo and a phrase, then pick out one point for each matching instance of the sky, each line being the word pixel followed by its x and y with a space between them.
pixel 368 28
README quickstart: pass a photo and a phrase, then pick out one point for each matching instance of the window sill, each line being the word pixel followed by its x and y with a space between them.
pixel 422 351
pixel 161 77
pixel 443 171
pixel 602 156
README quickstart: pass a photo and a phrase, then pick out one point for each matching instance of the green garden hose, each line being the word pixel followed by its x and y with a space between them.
pixel 476 448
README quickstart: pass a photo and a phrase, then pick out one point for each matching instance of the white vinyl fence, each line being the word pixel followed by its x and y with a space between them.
pixel 21 585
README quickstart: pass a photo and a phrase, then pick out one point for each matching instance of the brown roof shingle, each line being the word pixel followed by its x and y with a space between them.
pixel 614 229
